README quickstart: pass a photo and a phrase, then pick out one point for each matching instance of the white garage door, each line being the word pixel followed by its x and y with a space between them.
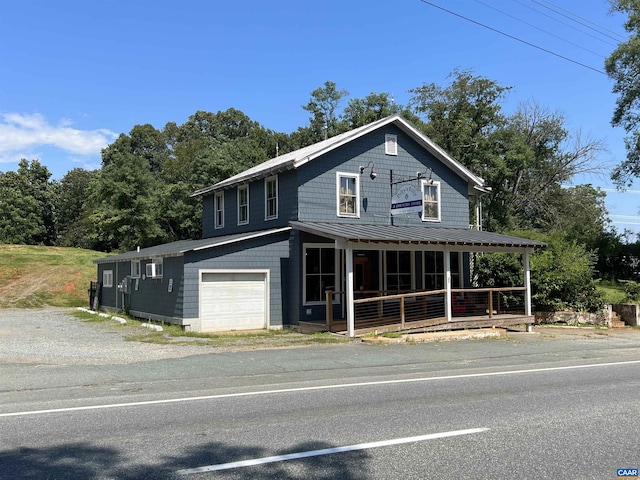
pixel 233 301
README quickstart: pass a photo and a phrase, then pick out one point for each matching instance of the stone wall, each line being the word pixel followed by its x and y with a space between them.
pixel 604 318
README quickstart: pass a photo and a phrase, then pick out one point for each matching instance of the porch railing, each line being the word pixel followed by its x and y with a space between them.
pixel 410 306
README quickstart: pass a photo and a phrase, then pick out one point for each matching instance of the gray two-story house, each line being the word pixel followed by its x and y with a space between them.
pixel 368 226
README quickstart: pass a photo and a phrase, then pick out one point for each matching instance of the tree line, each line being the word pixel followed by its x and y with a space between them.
pixel 140 196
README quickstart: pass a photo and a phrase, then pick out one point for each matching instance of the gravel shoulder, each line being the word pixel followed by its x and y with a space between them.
pixel 55 337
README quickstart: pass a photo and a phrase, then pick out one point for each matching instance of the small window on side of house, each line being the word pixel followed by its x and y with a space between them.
pixel 135 268
pixel 243 204
pixel 219 209
pixel 271 198
pixel 391 144
pixel 107 278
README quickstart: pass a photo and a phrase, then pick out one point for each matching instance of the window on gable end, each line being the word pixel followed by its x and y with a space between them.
pixel 430 201
pixel 271 197
pixel 348 194
pixel 391 144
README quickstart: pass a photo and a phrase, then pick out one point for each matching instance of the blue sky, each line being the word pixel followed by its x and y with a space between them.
pixel 75 74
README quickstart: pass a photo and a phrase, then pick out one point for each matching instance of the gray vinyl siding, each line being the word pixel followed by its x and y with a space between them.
pixel 258 253
pixel 152 299
pixel 317 190
pixel 287 208
pixel 109 296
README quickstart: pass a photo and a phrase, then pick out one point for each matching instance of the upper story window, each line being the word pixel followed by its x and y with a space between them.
pixel 219 209
pixel 430 201
pixel 391 144
pixel 348 194
pixel 243 204
pixel 107 278
pixel 271 198
pixel 135 268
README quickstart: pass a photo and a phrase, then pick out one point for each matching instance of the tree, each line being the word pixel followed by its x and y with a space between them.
pixel 375 106
pixel 323 106
pixel 70 197
pixel 623 66
pixel 26 205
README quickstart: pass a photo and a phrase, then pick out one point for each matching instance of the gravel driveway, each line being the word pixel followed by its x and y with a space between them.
pixel 54 337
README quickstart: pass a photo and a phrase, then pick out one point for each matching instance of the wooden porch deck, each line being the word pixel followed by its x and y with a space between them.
pixel 430 325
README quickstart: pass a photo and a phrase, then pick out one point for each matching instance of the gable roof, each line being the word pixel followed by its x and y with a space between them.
pixel 297 158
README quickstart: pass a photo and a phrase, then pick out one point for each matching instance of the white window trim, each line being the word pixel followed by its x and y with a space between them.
pixel 266 198
pixel 218 196
pixel 336 270
pixel 107 278
pixel 390 144
pixel 239 189
pixel 340 175
pixel 135 272
pixel 439 189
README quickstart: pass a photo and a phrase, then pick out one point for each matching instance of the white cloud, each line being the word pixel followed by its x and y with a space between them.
pixel 20 134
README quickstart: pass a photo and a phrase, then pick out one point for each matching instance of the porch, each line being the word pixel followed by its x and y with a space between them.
pixel 424 311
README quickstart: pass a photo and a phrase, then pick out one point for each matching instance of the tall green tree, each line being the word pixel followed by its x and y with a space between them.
pixel 323 107
pixel 26 205
pixel 70 196
pixel 623 66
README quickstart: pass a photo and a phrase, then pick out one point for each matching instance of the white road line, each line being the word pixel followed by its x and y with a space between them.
pixel 320 387
pixel 327 451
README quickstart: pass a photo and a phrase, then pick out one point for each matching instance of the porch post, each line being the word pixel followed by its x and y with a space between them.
pixel 527 284
pixel 349 289
pixel 447 279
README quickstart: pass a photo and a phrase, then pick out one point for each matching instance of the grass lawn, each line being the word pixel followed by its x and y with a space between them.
pixel 36 276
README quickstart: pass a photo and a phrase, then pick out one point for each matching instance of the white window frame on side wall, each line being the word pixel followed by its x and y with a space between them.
pixel 240 189
pixel 437 201
pixel 355 195
pixel 271 214
pixel 135 268
pixel 107 278
pixel 218 210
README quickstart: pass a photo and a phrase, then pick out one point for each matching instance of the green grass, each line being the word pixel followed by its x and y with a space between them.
pixel 612 291
pixel 174 335
pixel 36 276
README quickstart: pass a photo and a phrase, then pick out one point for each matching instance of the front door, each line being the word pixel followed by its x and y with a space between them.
pixel 362 277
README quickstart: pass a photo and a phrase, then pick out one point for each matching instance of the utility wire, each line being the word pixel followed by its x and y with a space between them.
pixel 618 38
pixel 540 29
pixel 513 37
pixel 566 24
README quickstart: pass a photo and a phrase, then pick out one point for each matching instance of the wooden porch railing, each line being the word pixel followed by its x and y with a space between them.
pixel 385 306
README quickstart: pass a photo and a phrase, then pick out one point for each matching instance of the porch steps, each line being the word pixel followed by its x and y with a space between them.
pixel 616 322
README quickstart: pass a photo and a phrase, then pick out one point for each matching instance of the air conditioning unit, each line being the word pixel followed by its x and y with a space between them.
pixel 154 270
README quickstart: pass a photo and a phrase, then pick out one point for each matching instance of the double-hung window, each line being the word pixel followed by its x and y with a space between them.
pixel 319 272
pixel 430 201
pixel 348 194
pixel 135 268
pixel 107 278
pixel 271 198
pixel 433 270
pixel 219 209
pixel 243 204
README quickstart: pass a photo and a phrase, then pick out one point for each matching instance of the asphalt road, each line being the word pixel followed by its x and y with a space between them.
pixel 557 404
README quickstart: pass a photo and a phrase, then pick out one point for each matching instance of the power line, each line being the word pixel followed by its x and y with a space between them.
pixel 540 29
pixel 565 24
pixel 514 37
pixel 571 14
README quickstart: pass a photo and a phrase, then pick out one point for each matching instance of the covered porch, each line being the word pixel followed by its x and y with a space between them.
pixel 354 310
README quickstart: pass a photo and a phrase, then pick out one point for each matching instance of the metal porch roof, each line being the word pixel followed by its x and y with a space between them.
pixel 179 248
pixel 401 234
